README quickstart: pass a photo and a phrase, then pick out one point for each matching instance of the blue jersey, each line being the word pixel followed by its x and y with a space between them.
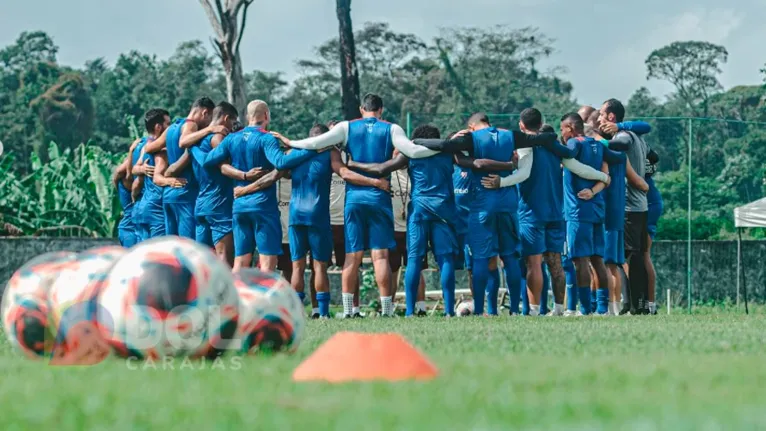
pixel 542 195
pixel 369 141
pixel 152 196
pixel 494 144
pixel 433 194
pixel 126 201
pixel 310 201
pixel 614 195
pixel 463 189
pixel 215 190
pixel 136 157
pixel 591 153
pixel 253 147
pixel 187 193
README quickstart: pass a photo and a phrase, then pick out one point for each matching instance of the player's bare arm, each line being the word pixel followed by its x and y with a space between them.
pixel 355 178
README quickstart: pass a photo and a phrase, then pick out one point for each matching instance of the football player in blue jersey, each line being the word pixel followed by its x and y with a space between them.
pixel 369 218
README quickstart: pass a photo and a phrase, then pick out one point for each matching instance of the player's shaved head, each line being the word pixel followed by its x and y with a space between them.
pixel 257 112
pixel 224 109
pixel 479 119
pixel 585 112
pixel 426 131
pixel 547 128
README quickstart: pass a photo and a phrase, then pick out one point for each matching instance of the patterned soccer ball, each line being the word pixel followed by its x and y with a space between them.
pixel 169 297
pixel 464 309
pixel 73 302
pixel 271 316
pixel 25 304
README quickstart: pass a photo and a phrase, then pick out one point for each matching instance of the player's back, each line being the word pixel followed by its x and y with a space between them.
pixel 369 141
pixel 541 195
pixel 187 193
pixel 310 203
pixel 591 153
pixel 215 190
pixel 614 195
pixel 494 144
pixel 126 202
pixel 136 157
pixel 433 194
pixel 247 152
pixel 462 185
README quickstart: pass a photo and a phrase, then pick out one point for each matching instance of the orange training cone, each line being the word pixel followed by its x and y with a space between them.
pixel 353 356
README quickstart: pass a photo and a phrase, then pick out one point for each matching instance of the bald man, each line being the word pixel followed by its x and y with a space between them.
pixel 256 222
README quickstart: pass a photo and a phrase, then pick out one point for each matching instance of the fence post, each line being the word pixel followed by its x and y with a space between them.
pixel 409 124
pixel 689 264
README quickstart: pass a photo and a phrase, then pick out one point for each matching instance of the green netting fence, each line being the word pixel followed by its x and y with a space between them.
pixel 708 166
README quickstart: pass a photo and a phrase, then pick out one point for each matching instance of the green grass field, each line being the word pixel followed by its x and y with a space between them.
pixel 704 371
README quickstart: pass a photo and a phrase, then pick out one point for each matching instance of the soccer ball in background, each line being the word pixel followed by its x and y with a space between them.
pixel 73 303
pixel 271 316
pixel 25 304
pixel 168 297
pixel 465 308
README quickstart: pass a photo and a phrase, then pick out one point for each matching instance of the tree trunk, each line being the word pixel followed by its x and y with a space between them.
pixel 235 84
pixel 349 75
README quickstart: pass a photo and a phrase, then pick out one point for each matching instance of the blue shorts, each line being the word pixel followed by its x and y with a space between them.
pixel 262 229
pixel 493 234
pixel 212 228
pixel 153 229
pixel 439 234
pixel 368 227
pixel 179 219
pixel 128 237
pixel 541 237
pixel 614 250
pixel 585 239
pixel 314 239
pixel 465 259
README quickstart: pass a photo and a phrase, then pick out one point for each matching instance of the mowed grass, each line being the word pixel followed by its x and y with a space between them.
pixel 662 372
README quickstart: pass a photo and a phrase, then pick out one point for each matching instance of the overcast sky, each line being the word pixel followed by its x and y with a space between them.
pixel 603 45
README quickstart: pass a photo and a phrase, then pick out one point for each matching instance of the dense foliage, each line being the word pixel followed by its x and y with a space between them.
pixel 93 113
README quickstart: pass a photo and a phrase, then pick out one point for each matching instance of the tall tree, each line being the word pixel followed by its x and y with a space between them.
pixel 229 28
pixel 693 68
pixel 349 75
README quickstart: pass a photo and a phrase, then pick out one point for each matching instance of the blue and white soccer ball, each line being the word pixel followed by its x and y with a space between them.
pixel 168 297
pixel 25 308
pixel 271 316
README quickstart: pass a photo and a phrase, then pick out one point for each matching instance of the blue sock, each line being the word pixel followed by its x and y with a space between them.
pixel 480 281
pixel 524 298
pixel 544 295
pixel 302 296
pixel 323 298
pixel 447 269
pixel 492 290
pixel 593 301
pixel 584 293
pixel 571 298
pixel 411 282
pixel 513 281
pixel 602 299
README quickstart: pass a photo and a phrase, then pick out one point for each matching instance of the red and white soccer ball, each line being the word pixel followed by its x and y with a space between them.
pixel 25 308
pixel 168 297
pixel 73 304
pixel 271 316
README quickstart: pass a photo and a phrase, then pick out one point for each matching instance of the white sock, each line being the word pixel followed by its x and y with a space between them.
pixel 615 308
pixel 315 311
pixel 387 305
pixel 534 310
pixel 348 303
pixel 558 308
pixel 420 306
pixel 356 310
pixel 652 307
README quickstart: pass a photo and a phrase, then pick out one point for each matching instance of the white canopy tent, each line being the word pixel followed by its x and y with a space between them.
pixel 750 215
